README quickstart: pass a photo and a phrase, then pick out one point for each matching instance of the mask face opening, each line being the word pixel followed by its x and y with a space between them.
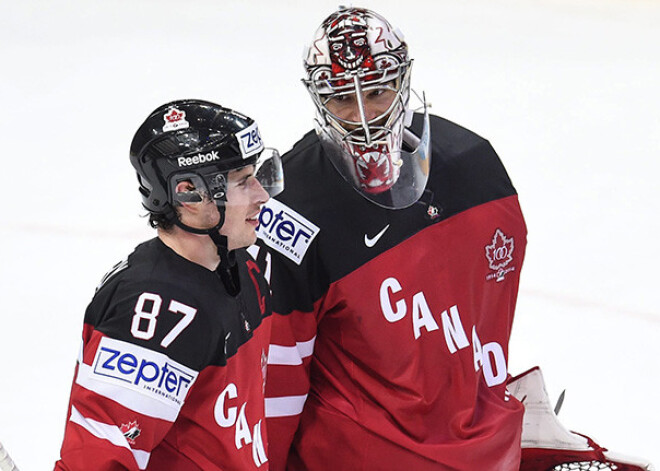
pixel 391 173
pixel 361 106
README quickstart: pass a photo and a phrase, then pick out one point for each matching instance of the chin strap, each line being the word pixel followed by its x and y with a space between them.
pixel 227 269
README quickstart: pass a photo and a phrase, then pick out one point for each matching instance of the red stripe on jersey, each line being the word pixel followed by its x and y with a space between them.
pixel 294 327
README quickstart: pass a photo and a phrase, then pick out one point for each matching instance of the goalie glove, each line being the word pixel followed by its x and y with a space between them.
pixel 548 446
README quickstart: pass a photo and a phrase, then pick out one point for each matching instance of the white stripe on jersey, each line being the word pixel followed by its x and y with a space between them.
pixel 285 406
pixel 110 433
pixel 281 355
pixel 128 398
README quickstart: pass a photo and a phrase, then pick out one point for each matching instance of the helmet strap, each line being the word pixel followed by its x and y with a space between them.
pixel 227 269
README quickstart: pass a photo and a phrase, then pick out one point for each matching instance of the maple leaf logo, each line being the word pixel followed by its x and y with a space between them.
pixel 173 116
pixel 131 431
pixel 500 252
pixel 175 119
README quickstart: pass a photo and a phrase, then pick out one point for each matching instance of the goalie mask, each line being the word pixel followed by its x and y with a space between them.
pixel 358 74
pixel 200 143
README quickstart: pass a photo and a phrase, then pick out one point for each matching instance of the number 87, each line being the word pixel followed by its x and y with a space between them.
pixel 143 313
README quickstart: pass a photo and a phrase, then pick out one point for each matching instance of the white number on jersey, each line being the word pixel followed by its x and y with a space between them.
pixel 147 310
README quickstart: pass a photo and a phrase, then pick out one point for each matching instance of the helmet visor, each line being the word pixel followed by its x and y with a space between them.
pixel 208 182
pixel 268 170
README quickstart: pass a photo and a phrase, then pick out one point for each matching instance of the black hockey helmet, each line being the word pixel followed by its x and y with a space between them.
pixel 201 142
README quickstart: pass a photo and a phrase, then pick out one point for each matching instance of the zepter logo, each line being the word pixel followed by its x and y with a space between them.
pixel 250 141
pixel 285 231
pixel 142 370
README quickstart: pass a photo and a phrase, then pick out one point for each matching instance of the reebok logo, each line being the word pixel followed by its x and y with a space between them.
pixel 198 159
pixel 285 231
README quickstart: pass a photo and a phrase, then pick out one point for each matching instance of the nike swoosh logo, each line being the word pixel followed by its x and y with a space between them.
pixel 370 242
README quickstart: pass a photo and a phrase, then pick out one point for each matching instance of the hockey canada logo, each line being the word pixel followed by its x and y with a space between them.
pixel 175 119
pixel 131 431
pixel 285 230
pixel 500 254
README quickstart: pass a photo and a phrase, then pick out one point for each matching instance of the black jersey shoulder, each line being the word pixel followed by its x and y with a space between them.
pixel 157 280
pixel 465 169
pixel 465 172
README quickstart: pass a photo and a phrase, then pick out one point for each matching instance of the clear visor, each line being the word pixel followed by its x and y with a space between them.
pixel 269 173
pixel 401 156
pixel 207 183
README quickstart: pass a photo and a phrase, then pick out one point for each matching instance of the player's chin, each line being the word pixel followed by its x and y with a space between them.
pixel 245 240
pixel 250 237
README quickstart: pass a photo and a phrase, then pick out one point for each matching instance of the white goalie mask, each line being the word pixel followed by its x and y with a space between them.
pixel 358 74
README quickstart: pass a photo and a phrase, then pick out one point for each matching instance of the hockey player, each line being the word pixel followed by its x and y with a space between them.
pixel 172 367
pixel 397 250
pixel 396 255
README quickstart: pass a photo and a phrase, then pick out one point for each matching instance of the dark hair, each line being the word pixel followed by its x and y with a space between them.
pixel 164 221
pixel 160 221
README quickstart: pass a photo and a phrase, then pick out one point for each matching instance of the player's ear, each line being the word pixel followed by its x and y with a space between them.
pixel 192 198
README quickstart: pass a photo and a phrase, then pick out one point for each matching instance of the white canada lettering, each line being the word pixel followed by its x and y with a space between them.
pixel 226 417
pixel 258 449
pixel 229 415
pixel 454 332
pixel 477 351
pixel 422 316
pixel 489 358
pixel 242 429
pixel 391 284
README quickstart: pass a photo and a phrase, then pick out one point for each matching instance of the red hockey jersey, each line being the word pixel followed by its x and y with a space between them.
pixel 391 327
pixel 172 369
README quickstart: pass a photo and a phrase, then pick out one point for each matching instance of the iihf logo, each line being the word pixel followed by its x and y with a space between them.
pixel 499 254
pixel 175 119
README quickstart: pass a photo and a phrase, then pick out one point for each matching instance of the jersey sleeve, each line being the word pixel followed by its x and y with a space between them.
pixel 131 379
pixel 287 385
